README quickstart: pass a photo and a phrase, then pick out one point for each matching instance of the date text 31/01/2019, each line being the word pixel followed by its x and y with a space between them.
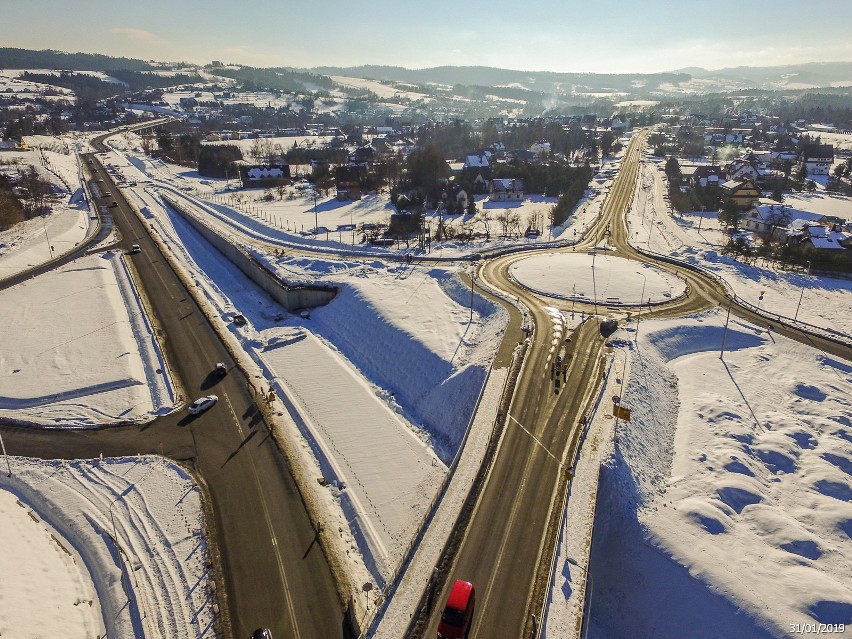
pixel 817 628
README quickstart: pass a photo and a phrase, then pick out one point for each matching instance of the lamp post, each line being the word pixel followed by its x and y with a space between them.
pixel 641 299
pixel 316 219
pixel 589 590
pixel 795 317
pixel 6 455
pixel 594 285
pixel 472 278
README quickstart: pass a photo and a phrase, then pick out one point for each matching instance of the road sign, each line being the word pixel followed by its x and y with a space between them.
pixel 621 412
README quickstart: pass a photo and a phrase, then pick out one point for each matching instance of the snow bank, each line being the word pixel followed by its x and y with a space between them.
pixel 133 526
pixel 725 506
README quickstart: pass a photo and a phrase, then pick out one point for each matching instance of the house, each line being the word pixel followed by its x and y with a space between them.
pixel 477 160
pixel 825 239
pixel 541 149
pixel 769 217
pixel 477 169
pixel 506 190
pixel 743 192
pixel 702 176
pixel 742 168
pixel 254 175
pixel 618 126
pixel 347 182
pixel 816 158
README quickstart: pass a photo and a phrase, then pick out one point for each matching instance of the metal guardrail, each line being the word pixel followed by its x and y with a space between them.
pixel 811 329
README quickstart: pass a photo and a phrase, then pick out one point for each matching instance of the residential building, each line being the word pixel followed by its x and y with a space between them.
pixel 702 176
pixel 258 175
pixel 506 189
pixel 347 181
pixel 816 158
pixel 743 192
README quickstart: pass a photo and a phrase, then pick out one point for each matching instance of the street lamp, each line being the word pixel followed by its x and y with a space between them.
pixel 472 278
pixel 6 455
pixel 316 219
pixel 795 317
pixel 590 589
pixel 641 299
pixel 594 285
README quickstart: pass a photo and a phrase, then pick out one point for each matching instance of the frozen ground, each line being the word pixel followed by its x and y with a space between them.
pixel 113 548
pixel 724 506
pixel 79 350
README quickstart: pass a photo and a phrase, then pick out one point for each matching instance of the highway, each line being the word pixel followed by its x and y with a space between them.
pixel 269 566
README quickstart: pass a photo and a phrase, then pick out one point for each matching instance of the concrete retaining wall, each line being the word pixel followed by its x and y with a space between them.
pixel 292 298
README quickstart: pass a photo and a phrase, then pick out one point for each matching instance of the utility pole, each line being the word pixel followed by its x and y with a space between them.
pixel 641 299
pixel 316 219
pixel 594 285
pixel 6 455
pixel 725 332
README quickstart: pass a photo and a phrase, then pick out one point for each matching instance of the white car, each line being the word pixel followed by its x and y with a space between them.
pixel 202 404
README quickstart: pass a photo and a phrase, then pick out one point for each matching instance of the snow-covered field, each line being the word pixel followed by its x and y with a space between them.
pixel 103 548
pixel 80 350
pixel 724 508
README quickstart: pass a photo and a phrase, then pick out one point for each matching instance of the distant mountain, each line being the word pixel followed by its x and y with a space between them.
pixel 541 81
pixel 807 75
pixel 11 58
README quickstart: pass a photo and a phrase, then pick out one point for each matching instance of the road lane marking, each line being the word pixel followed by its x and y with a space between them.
pixel 278 558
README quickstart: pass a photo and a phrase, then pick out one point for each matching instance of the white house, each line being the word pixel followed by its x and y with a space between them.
pixel 506 189
pixel 816 158
pixel 541 148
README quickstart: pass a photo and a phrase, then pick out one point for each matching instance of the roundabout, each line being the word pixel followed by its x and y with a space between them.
pixel 597 277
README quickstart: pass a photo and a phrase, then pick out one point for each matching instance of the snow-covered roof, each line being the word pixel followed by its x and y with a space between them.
pixel 476 160
pixel 831 242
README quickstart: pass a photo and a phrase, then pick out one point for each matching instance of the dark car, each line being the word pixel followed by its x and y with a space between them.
pixel 221 369
pixel 261 633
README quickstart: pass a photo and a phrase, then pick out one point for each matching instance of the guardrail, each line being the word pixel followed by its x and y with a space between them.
pixel 811 329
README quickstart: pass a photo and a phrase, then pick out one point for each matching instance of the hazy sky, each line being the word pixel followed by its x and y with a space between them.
pixel 618 36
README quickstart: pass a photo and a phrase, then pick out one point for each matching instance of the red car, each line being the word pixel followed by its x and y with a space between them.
pixel 457 615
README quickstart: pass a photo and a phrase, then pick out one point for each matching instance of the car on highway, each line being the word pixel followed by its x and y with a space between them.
pixel 456 619
pixel 135 249
pixel 106 194
pixel 202 404
pixel 113 204
pixel 221 369
pixel 261 633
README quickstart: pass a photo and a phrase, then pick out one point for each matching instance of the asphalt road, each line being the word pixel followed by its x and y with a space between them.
pixel 506 548
pixel 265 547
